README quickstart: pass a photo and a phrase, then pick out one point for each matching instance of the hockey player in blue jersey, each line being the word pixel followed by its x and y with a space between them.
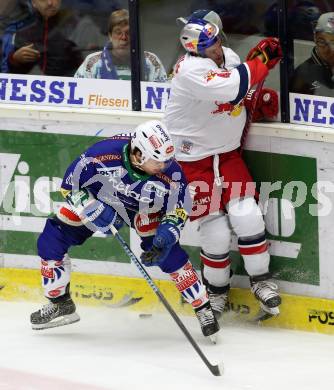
pixel 132 179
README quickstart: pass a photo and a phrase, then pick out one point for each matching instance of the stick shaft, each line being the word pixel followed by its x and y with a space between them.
pixel 250 116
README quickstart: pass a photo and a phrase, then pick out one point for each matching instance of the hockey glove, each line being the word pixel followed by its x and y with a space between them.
pixel 266 105
pixel 151 257
pixel 271 50
pixel 96 215
pixel 166 236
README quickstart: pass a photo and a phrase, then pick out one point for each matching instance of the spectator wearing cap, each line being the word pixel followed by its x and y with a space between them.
pixel 113 62
pixel 315 76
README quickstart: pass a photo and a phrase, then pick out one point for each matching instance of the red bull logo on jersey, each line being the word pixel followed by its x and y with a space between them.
pixel 229 108
pixel 212 74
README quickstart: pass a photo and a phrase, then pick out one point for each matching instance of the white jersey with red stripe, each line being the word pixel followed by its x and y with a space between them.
pixel 205 113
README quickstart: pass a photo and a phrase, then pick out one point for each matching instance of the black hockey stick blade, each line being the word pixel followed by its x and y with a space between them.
pixel 218 369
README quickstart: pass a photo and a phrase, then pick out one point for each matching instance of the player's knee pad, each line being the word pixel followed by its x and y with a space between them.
pixel 254 250
pixel 247 222
pixel 216 271
pixel 215 234
pixel 257 264
pixel 57 237
pixel 188 283
pixel 245 217
pixel 56 276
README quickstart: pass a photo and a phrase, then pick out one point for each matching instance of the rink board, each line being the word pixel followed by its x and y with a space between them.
pixel 117 293
pixel 38 145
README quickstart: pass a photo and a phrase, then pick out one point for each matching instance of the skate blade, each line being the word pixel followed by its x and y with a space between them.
pixel 265 313
pixel 60 321
pixel 214 338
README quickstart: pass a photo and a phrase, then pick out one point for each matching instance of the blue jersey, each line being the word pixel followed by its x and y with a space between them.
pixel 105 170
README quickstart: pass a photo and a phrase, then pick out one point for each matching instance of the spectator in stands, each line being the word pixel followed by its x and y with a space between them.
pixel 113 62
pixel 90 33
pixel 12 10
pixel 315 76
pixel 14 15
pixel 44 47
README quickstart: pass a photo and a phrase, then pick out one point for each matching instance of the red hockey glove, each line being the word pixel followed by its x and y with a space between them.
pixel 270 48
pixel 266 105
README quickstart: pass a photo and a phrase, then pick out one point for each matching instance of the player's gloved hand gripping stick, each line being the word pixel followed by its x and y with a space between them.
pixel 166 236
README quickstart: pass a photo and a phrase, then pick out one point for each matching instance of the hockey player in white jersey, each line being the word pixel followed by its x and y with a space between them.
pixel 206 115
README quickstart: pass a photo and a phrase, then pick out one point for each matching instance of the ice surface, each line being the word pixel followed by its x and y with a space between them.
pixel 115 349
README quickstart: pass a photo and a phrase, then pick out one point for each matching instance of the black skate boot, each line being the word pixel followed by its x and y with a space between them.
pixel 57 312
pixel 218 303
pixel 208 321
pixel 265 292
pixel 218 296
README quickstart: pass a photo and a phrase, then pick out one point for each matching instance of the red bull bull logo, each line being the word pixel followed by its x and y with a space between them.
pixel 209 30
pixel 212 74
pixel 191 45
pixel 229 108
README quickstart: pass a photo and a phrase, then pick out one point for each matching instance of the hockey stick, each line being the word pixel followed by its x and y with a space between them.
pixel 250 116
pixel 216 370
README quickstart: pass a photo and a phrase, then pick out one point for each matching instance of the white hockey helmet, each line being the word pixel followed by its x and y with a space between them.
pixel 153 141
pixel 198 35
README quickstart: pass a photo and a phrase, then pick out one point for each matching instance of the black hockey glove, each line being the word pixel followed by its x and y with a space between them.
pixel 151 257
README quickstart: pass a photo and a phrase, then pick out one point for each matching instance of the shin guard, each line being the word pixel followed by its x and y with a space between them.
pixel 189 285
pixel 56 277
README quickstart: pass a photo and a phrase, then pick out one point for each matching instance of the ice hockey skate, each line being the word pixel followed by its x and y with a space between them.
pixel 218 296
pixel 218 303
pixel 54 314
pixel 266 293
pixel 208 321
